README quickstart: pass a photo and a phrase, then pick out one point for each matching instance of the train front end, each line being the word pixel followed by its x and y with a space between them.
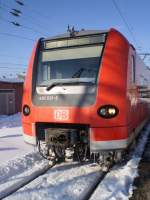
pixel 62 101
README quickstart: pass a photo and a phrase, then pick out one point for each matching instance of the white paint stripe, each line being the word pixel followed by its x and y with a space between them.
pixel 29 139
pixel 67 89
pixel 108 145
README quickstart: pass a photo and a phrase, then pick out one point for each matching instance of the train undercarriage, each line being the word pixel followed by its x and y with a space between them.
pixel 61 144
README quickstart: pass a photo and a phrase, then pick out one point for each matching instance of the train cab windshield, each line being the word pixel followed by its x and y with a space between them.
pixel 71 64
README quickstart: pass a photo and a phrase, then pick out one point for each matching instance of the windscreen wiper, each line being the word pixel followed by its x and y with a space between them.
pixel 53 85
pixel 68 83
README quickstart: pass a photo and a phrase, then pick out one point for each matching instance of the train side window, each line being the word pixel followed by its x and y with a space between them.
pixel 133 68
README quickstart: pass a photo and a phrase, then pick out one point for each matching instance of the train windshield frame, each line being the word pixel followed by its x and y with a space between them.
pixel 79 64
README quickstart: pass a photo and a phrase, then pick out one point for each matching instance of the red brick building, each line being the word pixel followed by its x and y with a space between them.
pixel 11 91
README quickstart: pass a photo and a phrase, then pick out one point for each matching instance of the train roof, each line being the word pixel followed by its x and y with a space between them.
pixel 77 34
pixel 80 34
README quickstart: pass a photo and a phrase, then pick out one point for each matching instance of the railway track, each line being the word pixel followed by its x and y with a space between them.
pixel 20 174
pixel 67 181
pixel 123 174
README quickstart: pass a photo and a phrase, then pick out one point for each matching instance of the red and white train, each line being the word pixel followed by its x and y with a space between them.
pixel 85 93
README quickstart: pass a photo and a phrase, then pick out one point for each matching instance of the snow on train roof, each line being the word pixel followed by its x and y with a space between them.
pixel 80 33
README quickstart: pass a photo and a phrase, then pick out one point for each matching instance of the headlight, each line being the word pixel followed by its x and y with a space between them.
pixel 108 111
pixel 26 110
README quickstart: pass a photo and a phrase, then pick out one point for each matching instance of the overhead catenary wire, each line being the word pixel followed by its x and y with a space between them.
pixel 18 13
pixel 32 19
pixel 130 30
pixel 8 71
pixel 34 30
pixel 145 55
pixel 38 13
pixel 10 63
pixel 16 36
pixel 12 56
pixel 12 70
pixel 125 22
pixel 19 25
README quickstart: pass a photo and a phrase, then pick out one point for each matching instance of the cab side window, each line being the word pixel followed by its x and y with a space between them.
pixel 133 67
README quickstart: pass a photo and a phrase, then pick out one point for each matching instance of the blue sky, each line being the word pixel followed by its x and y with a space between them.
pixel 50 17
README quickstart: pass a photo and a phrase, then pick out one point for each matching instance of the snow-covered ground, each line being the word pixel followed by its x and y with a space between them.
pixel 11 139
pixel 68 181
pixel 73 181
pixel 18 172
pixel 64 181
pixel 118 183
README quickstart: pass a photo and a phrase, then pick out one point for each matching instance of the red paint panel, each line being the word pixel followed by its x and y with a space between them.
pixel 27 129
pixel 107 134
pixel 113 77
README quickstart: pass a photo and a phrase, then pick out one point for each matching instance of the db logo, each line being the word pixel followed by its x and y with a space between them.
pixel 61 114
